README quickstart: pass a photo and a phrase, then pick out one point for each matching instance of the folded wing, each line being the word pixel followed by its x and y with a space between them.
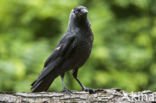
pixel 54 60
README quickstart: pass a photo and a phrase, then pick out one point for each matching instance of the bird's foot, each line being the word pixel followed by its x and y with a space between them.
pixel 91 91
pixel 66 91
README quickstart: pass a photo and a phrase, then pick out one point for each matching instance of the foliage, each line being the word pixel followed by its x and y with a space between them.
pixel 124 52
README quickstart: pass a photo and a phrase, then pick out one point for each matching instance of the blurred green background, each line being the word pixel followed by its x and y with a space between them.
pixel 124 50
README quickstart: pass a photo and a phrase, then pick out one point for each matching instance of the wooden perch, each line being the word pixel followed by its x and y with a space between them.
pixel 101 96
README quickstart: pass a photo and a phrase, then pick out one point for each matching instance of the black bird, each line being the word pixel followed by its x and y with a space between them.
pixel 70 54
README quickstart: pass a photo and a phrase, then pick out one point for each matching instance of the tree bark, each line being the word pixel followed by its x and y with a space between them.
pixel 100 96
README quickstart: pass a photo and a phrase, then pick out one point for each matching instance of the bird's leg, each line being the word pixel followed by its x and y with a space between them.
pixel 64 87
pixel 83 87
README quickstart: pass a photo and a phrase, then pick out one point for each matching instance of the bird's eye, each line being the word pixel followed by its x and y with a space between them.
pixel 78 10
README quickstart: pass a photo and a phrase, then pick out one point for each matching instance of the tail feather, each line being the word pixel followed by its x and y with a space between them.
pixel 46 77
pixel 42 85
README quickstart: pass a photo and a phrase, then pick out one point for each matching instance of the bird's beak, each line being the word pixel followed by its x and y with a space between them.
pixel 84 11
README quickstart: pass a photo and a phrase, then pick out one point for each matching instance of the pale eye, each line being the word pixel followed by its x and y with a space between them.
pixel 78 10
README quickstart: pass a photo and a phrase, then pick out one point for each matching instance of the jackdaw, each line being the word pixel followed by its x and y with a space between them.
pixel 70 54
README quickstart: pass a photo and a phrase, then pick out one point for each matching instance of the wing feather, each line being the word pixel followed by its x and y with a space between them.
pixel 56 57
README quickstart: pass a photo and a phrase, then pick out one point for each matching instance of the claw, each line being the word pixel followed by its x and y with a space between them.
pixel 91 91
pixel 67 91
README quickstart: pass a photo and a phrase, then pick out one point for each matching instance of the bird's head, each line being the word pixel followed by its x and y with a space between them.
pixel 79 12
pixel 78 17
